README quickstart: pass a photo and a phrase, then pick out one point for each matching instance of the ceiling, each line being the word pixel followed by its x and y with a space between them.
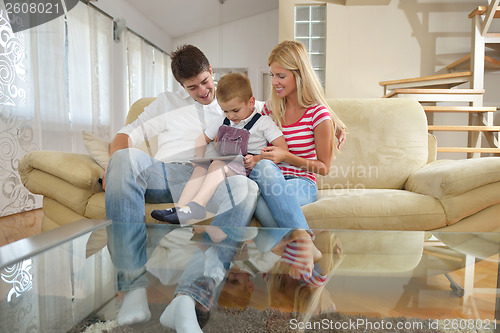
pixel 181 17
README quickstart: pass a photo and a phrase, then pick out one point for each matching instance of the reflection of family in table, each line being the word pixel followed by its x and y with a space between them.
pixel 204 272
pixel 291 140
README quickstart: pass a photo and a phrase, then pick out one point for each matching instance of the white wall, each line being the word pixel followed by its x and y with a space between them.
pixel 404 39
pixel 246 43
pixel 137 22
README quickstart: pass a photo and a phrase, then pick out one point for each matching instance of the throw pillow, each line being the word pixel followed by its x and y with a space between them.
pixel 97 148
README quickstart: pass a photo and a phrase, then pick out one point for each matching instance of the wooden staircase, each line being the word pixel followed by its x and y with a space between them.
pixel 441 81
pixel 436 92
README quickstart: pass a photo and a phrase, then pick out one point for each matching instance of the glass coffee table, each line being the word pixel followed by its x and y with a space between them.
pixel 374 281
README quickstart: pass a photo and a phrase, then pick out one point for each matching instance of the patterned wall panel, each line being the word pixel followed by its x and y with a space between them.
pixel 17 136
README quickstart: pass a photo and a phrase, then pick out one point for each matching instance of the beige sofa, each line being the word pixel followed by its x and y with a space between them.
pixel 385 178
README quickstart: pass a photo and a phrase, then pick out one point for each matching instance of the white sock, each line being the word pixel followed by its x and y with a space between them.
pixel 167 318
pixel 135 308
pixel 185 316
pixel 180 315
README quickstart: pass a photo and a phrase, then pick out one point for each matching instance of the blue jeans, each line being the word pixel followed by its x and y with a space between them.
pixel 203 278
pixel 133 178
pixel 279 204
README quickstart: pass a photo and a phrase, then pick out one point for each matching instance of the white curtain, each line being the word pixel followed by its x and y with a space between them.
pixel 147 69
pixel 47 96
pixel 71 72
pixel 89 73
pixel 55 82
pixel 134 68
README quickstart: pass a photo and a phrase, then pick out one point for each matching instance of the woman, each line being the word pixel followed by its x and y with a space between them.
pixel 287 179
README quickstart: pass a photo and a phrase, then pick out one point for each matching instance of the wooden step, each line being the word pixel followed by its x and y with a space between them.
pixel 480 10
pixel 468 150
pixel 467 109
pixel 438 91
pixel 464 128
pixel 439 95
pixel 464 63
pixel 448 80
pixel 492 40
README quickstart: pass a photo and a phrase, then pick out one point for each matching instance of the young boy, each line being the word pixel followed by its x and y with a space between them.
pixel 234 95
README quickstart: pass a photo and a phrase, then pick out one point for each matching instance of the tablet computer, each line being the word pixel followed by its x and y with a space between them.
pixel 227 158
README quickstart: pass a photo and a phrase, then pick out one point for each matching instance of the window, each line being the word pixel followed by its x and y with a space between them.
pixel 310 29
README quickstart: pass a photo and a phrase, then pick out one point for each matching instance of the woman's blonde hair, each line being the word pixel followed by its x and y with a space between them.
pixel 292 55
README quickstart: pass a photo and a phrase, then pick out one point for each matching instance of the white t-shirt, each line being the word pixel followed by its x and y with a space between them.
pixel 262 132
pixel 178 120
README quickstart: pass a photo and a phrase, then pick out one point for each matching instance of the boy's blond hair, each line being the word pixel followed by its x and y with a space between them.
pixel 234 85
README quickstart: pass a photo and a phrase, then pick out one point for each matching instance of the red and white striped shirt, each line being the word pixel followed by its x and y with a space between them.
pixel 300 138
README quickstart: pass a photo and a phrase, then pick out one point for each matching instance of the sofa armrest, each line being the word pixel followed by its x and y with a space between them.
pixel 77 169
pixel 447 178
pixel 463 187
pixel 67 178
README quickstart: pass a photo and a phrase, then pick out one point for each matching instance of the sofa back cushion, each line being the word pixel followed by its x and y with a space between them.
pixel 386 141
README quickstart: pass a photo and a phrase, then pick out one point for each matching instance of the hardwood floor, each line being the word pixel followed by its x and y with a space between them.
pixel 19 226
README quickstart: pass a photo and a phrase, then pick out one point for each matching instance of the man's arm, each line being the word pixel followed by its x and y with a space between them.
pixel 120 141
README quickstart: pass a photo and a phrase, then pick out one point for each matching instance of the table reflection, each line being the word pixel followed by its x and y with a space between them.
pixel 228 273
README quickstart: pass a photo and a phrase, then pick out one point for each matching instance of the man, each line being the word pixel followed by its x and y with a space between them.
pixel 133 177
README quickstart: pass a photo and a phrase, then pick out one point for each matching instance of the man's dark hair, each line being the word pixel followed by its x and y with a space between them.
pixel 187 62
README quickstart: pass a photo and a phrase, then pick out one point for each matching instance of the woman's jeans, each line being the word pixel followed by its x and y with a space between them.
pixel 133 178
pixel 279 203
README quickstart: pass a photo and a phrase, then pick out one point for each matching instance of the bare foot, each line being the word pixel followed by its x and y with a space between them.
pixel 301 254
pixel 216 234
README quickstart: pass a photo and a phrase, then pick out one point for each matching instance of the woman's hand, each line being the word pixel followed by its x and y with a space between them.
pixel 341 134
pixel 275 154
pixel 250 161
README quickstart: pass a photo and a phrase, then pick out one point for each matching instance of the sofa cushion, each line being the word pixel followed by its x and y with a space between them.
pixel 75 198
pixel 482 221
pixel 471 202
pixel 79 170
pixel 387 140
pixel 374 209
pixel 97 148
pixel 96 208
pixel 370 252
pixel 479 245
pixel 56 214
